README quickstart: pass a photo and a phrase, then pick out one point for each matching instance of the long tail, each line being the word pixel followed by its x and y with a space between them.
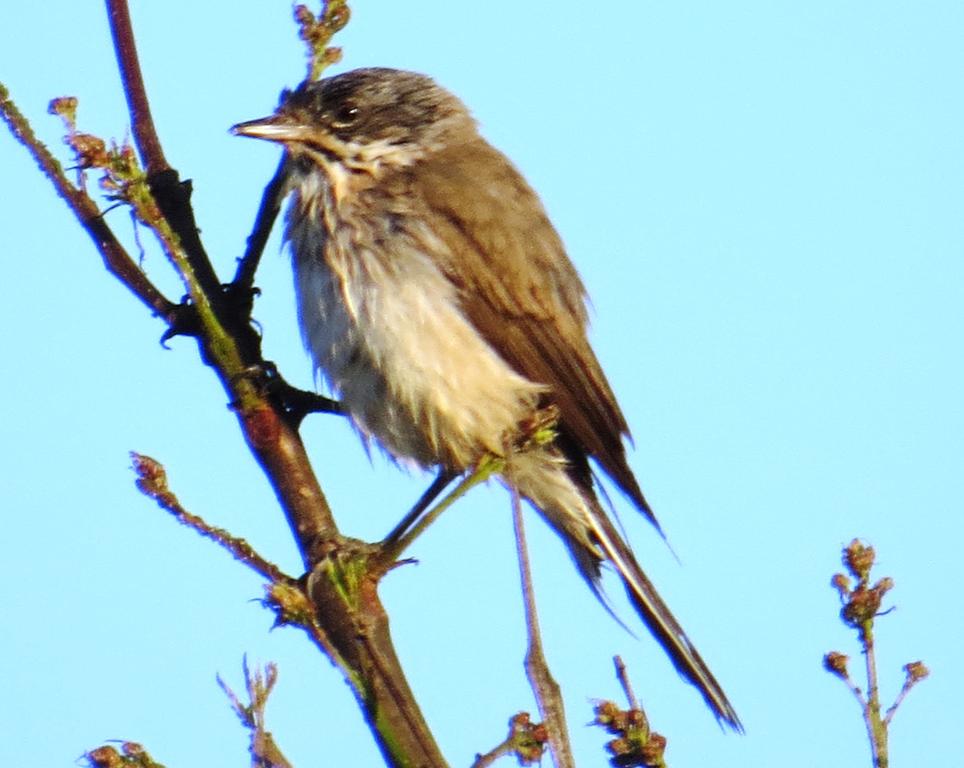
pixel 656 614
pixel 562 491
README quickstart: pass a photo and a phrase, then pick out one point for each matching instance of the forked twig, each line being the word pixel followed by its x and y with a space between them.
pixel 265 753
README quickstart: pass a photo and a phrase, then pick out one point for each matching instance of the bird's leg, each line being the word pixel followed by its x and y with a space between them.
pixel 534 433
pixel 444 477
pixel 406 532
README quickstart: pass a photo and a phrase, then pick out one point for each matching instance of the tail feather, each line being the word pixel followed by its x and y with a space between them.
pixel 561 489
pixel 658 617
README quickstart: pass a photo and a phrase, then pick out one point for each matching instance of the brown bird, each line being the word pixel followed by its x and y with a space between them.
pixel 438 302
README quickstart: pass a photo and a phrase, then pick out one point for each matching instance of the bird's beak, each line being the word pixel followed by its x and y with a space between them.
pixel 277 127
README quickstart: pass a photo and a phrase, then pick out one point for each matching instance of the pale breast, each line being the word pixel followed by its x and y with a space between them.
pixel 384 327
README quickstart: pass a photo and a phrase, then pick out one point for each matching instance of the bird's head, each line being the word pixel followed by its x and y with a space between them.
pixel 365 119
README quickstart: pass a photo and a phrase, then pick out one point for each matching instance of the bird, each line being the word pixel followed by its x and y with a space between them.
pixel 437 300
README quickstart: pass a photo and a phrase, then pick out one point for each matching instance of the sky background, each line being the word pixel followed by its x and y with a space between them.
pixel 765 201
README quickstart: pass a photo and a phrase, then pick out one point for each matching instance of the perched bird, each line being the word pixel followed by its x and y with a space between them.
pixel 437 300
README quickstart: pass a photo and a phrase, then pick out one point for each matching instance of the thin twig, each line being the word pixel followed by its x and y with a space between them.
pixel 914 672
pixel 152 482
pixel 116 258
pixel 636 744
pixel 142 124
pixel 173 196
pixel 546 689
pixel 285 594
pixel 876 729
pixel 892 710
pixel 265 753
pixel 861 607
pixel 483 761
pixel 857 694
pixel 623 676
pixel 271 201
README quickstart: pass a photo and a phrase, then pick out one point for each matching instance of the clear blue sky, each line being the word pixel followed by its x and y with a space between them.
pixel 766 202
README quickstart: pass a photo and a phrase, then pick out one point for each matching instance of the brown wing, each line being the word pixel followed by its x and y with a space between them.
pixel 523 294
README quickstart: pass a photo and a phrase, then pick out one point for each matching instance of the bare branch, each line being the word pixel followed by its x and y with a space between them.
pixel 861 607
pixel 265 753
pixel 142 124
pixel 152 482
pixel 338 605
pixel 172 195
pixel 914 671
pixel 623 676
pixel 271 200
pixel 118 262
pixel 546 689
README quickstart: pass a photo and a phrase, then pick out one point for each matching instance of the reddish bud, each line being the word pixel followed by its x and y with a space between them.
pixel 836 664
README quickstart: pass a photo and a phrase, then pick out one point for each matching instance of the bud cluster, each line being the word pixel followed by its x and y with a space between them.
pixel 862 602
pixel 635 744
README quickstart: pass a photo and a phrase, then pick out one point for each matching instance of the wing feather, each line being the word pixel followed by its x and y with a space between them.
pixel 521 291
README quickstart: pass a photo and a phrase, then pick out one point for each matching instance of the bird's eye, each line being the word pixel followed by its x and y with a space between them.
pixel 345 115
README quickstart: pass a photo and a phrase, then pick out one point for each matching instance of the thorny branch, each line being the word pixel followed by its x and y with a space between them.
pixel 343 594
